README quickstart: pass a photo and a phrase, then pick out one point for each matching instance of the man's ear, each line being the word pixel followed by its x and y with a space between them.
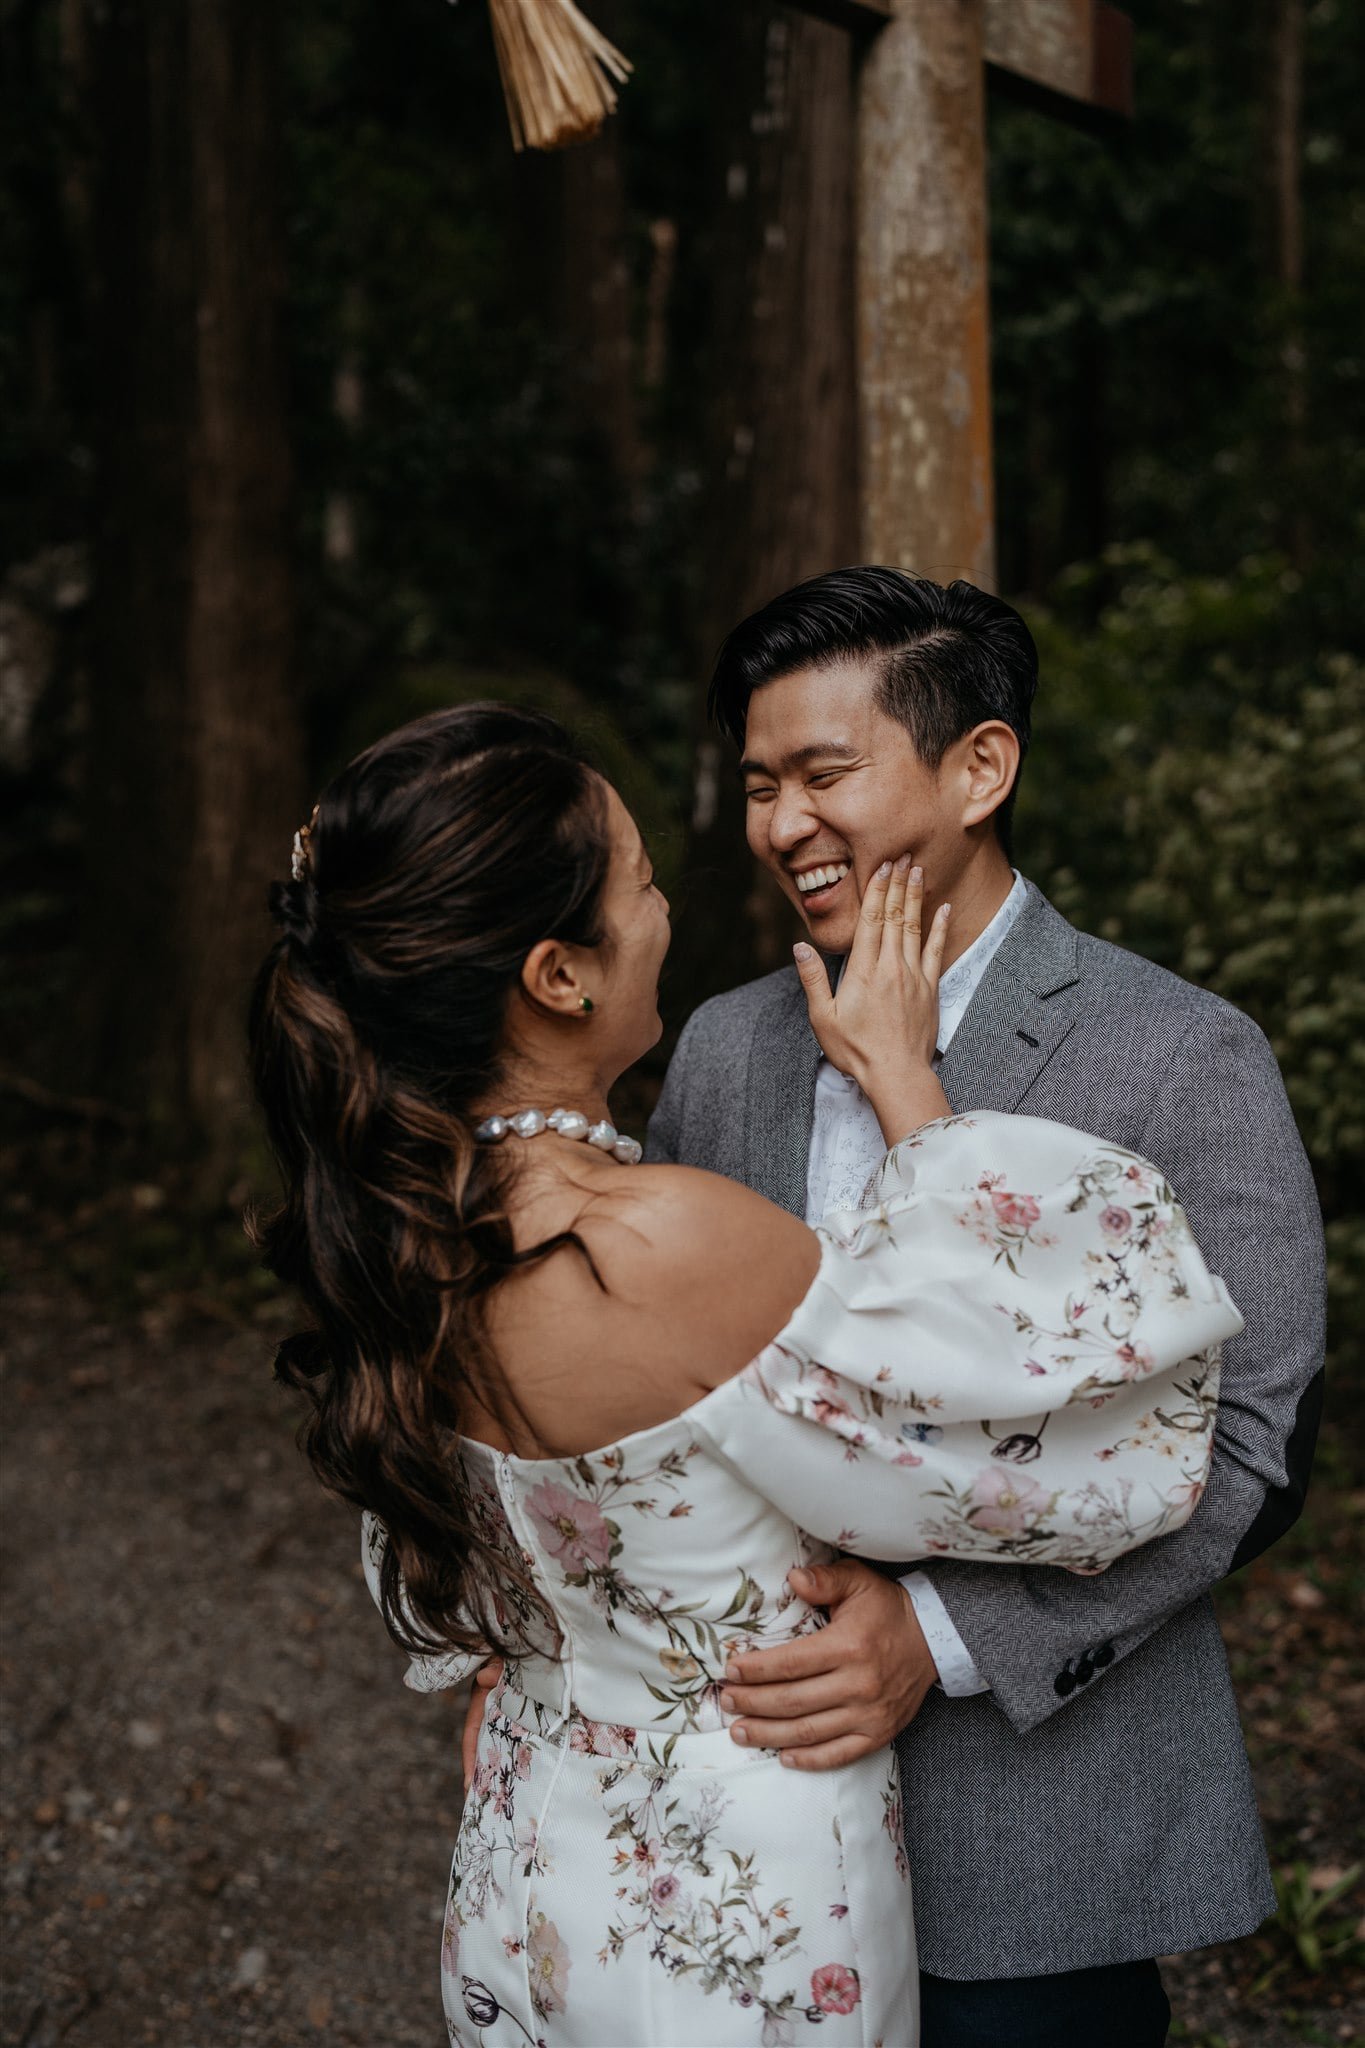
pixel 989 766
pixel 549 976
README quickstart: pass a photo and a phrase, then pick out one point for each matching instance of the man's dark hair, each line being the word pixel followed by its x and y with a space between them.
pixel 947 659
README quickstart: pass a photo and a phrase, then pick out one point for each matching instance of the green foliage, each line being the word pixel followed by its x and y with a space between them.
pixel 1315 1933
pixel 1200 797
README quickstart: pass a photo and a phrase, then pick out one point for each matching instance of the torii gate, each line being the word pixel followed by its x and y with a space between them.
pixel 923 313
pixel 923 356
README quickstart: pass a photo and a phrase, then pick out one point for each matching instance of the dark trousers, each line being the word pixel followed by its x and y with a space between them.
pixel 1120 2007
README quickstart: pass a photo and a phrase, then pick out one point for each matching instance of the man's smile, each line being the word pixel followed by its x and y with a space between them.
pixel 819 883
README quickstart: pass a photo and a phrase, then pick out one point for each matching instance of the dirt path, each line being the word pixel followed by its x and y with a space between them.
pixel 226 1820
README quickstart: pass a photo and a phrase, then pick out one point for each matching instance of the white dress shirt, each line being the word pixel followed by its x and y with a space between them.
pixel 846 1147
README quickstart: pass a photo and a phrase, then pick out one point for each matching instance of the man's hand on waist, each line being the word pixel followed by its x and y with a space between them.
pixel 831 1697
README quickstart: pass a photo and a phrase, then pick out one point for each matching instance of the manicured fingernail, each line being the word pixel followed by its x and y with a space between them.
pixel 902 864
pixel 789 1761
pixel 739 1733
pixel 917 874
pixel 803 952
pixel 883 871
pixel 945 911
pixel 727 1701
pixel 732 1673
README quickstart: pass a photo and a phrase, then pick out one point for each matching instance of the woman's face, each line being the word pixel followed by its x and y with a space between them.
pixel 636 917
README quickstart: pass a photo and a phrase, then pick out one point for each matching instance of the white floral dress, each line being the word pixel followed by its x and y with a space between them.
pixel 1009 1353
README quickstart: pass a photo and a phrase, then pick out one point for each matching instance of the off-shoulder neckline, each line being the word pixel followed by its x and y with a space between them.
pixel 693 1409
pixel 829 1245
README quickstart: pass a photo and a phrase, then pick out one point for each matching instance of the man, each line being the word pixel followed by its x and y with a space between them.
pixel 1078 1799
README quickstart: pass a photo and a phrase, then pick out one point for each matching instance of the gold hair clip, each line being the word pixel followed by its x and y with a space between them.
pixel 299 860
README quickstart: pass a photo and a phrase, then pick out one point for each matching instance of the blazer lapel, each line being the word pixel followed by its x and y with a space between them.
pixel 780 1098
pixel 1024 1009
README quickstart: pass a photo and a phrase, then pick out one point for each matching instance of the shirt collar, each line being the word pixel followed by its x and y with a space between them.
pixel 964 977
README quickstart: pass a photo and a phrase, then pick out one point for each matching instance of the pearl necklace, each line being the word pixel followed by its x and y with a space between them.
pixel 569 1123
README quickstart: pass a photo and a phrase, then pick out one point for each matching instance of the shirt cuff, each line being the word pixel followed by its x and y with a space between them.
pixel 957 1673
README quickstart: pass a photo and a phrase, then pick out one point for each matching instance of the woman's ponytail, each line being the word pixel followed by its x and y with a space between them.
pixel 431 867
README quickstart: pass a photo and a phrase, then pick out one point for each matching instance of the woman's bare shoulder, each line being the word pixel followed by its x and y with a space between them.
pixel 696 1276
pixel 723 1265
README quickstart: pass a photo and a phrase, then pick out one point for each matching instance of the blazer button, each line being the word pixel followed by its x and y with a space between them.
pixel 1064 1684
pixel 1085 1671
pixel 1104 1656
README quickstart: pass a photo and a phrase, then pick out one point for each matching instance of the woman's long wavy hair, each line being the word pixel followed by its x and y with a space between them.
pixel 434 863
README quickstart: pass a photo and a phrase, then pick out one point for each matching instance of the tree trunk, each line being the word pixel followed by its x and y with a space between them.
pixel 781 491
pixel 195 772
pixel 596 289
pixel 1282 261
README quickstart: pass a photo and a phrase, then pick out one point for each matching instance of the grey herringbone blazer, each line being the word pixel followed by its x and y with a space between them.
pixel 1095 1806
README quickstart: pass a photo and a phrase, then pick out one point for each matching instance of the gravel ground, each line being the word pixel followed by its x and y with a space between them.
pixel 226 1820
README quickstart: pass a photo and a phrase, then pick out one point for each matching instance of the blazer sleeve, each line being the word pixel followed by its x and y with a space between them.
pixel 663 1134
pixel 1222 1131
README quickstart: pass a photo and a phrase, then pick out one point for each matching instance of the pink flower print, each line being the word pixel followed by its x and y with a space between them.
pixel 1006 1503
pixel 1015 1212
pixel 647 1852
pixel 828 1413
pixel 665 1889
pixel 547 1967
pixel 521 1760
pixel 1135 1359
pixel 1115 1222
pixel 572 1529
pixel 835 1988
pixel 602 1738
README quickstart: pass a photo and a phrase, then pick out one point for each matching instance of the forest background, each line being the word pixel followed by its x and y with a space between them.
pixel 320 407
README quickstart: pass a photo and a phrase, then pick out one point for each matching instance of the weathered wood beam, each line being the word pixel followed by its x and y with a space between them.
pixel 1070 55
pixel 1078 51
pixel 923 347
pixel 859 15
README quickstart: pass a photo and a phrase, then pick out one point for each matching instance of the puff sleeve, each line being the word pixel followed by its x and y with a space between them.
pixel 424 1674
pixel 1010 1353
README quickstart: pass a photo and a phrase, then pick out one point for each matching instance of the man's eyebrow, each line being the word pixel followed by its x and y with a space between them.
pixel 818 750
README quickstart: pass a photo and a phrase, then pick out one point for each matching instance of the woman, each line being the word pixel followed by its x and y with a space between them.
pixel 596 1411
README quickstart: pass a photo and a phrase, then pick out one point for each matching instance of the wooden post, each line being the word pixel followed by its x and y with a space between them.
pixel 922 295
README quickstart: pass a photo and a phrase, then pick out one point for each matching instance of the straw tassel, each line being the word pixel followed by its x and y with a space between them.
pixel 557 71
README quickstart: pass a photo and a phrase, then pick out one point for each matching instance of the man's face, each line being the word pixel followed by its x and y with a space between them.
pixel 833 787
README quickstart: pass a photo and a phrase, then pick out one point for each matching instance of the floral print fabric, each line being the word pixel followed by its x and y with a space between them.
pixel 1009 1353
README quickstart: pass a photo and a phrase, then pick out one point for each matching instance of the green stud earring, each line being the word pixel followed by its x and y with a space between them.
pixel 585 1005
